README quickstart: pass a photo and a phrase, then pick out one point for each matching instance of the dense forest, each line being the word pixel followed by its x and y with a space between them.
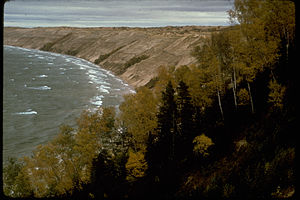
pixel 223 128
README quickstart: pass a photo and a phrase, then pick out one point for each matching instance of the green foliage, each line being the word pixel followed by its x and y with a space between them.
pixel 12 180
pixel 72 52
pixel 65 163
pixel 161 147
pixel 48 46
pixel 185 121
pixel 244 155
pixel 165 75
pixel 105 56
pixel 135 60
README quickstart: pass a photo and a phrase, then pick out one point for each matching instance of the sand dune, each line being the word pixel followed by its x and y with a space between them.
pixel 133 54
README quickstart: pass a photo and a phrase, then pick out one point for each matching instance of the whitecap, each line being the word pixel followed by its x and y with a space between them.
pixel 82 66
pixel 50 63
pixel 110 74
pixel 24 49
pixel 27 113
pixel 50 57
pixel 97 100
pixel 92 76
pixel 97 103
pixel 42 76
pixel 91 71
pixel 102 75
pixel 54 54
pixel 41 88
pixel 103 89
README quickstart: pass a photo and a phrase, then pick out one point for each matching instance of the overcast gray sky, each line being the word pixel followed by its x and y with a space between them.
pixel 113 13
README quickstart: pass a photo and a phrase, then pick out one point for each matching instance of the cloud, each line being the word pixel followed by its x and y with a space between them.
pixel 89 13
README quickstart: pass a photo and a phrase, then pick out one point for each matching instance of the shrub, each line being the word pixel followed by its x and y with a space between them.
pixel 202 143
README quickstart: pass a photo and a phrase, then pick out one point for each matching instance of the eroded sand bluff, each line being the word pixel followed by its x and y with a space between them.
pixel 114 48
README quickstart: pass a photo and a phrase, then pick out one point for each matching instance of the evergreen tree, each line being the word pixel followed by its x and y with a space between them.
pixel 184 121
pixel 167 123
pixel 160 150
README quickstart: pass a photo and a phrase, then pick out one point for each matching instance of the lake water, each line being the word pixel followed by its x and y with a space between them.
pixel 43 90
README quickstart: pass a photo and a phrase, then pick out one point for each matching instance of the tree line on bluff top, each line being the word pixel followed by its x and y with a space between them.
pixel 222 128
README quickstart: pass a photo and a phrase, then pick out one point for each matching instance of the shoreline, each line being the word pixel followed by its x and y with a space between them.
pixel 114 48
pixel 59 54
pixel 112 85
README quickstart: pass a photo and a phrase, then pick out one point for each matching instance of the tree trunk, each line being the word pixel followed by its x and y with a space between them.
pixel 286 35
pixel 251 100
pixel 220 104
pixel 234 94
pixel 173 132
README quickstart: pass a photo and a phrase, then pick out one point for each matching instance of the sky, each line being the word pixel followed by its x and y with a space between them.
pixel 116 13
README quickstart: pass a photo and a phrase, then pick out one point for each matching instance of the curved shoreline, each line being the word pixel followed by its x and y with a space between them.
pixel 59 54
pixel 106 90
pixel 114 49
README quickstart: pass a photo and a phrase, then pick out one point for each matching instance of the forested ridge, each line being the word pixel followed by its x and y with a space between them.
pixel 224 128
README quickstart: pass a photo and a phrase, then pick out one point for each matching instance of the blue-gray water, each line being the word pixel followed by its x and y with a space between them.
pixel 44 90
pixel 114 13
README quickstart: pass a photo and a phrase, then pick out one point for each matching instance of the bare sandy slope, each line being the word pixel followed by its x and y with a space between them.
pixel 161 46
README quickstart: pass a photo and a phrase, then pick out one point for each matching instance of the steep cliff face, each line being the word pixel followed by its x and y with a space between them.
pixel 134 54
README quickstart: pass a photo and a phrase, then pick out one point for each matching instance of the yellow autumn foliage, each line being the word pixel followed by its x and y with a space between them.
pixel 243 97
pixel 138 114
pixel 202 143
pixel 136 165
pixel 276 94
pixel 66 162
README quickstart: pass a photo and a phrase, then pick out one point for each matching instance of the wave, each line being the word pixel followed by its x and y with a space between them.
pixel 27 113
pixel 45 87
pixel 97 100
pixel 103 89
pixel 42 76
pixel 91 68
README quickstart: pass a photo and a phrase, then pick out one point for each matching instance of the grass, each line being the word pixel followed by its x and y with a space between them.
pixel 135 60
pixel 105 56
